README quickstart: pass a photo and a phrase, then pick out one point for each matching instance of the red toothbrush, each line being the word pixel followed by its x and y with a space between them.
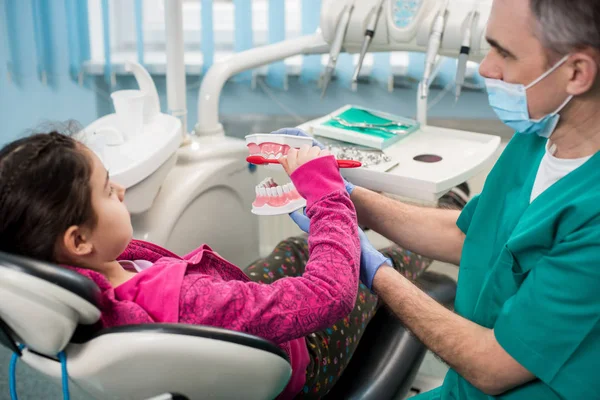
pixel 261 160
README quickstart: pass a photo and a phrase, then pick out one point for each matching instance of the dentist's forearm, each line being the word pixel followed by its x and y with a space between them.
pixel 470 349
pixel 430 232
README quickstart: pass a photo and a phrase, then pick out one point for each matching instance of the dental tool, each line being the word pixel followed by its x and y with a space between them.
pixel 366 125
pixel 369 33
pixel 465 49
pixel 382 128
pixel 258 160
pixel 435 40
pixel 336 46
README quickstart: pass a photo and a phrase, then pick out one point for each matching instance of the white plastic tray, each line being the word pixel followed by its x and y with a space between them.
pixel 134 160
pixel 464 154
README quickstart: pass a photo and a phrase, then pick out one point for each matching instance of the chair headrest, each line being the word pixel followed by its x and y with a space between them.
pixel 67 279
pixel 42 303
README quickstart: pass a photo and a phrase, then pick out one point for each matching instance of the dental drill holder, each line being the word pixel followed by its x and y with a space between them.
pixel 434 27
pixel 272 199
pixel 430 161
pixel 138 144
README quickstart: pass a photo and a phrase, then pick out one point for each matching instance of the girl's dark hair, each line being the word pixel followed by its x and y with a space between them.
pixel 44 189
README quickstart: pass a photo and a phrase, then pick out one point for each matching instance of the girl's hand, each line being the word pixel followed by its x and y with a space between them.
pixel 296 158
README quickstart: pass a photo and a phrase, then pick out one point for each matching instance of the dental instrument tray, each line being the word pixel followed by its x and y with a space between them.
pixel 425 164
pixel 365 127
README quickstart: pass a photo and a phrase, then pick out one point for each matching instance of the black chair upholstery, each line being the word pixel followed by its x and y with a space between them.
pixel 203 331
pixel 388 356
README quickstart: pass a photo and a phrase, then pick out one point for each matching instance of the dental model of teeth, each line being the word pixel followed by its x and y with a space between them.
pixel 272 199
pixel 272 146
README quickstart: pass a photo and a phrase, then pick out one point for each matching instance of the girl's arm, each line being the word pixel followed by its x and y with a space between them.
pixel 293 307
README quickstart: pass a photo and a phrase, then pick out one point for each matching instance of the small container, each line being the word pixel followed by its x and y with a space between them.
pixel 129 107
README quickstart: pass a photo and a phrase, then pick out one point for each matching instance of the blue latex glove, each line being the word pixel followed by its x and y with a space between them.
pixel 299 132
pixel 370 258
pixel 300 218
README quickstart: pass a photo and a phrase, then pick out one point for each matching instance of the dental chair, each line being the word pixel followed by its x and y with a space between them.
pixel 47 312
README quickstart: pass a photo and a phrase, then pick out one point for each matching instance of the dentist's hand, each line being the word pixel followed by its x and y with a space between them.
pixel 299 132
pixel 296 158
pixel 370 258
pixel 300 218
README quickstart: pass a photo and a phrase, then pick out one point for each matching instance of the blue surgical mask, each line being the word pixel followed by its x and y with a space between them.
pixel 509 101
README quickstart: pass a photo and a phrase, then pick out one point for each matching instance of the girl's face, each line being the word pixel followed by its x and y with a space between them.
pixel 113 230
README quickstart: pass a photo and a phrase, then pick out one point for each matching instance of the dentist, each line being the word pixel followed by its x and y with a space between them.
pixel 526 323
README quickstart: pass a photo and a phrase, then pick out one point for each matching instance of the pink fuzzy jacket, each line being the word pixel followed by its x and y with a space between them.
pixel 204 289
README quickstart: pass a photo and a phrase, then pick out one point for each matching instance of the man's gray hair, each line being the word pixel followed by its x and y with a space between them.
pixel 565 25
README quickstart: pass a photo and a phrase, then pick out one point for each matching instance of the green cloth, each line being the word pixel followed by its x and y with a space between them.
pixel 532 273
pixel 356 115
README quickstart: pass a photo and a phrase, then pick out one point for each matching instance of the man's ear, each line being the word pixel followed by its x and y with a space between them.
pixel 76 242
pixel 584 69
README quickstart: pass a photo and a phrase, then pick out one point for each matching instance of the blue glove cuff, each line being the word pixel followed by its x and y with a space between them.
pixel 368 276
pixel 349 187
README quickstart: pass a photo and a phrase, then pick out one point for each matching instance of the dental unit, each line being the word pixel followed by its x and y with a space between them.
pixel 184 189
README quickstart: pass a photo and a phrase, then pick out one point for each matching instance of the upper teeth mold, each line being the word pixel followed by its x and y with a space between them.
pixel 274 146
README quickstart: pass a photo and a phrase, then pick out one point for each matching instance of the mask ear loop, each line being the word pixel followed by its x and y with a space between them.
pixel 563 105
pixel 559 109
pixel 551 70
pixel 545 74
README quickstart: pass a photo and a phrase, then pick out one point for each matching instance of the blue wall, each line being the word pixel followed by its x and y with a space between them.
pixel 26 104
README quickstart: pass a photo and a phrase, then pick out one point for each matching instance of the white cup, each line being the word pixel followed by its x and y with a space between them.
pixel 129 107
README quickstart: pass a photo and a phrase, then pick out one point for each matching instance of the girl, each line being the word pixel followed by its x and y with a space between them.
pixel 58 204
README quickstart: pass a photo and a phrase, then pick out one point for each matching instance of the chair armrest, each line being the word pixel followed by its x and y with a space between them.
pixel 148 360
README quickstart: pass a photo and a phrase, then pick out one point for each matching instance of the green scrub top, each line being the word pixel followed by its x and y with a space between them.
pixel 532 273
